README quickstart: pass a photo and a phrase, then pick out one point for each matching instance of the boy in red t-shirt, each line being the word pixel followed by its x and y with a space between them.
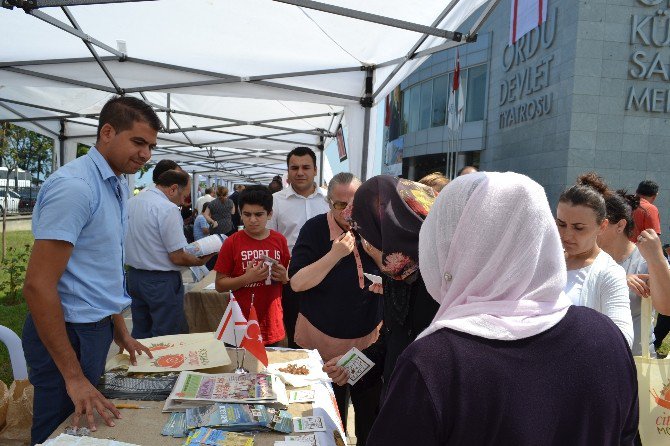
pixel 243 264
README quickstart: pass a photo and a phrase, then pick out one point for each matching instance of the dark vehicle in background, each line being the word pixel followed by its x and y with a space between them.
pixel 27 199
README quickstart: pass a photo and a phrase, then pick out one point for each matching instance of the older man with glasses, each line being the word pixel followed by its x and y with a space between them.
pixel 338 309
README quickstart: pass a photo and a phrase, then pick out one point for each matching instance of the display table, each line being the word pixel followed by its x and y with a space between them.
pixel 143 426
pixel 204 308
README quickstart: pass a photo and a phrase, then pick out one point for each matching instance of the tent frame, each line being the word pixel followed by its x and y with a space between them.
pixel 32 7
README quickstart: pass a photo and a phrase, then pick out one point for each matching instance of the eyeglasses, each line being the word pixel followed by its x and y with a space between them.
pixel 339 205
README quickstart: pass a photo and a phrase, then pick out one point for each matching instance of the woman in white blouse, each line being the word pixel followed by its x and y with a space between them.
pixel 646 268
pixel 595 280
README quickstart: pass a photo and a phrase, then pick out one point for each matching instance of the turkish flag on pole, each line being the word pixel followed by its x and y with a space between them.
pixel 233 325
pixel 253 341
pixel 526 15
pixel 454 109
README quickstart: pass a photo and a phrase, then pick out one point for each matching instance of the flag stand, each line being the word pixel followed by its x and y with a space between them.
pixel 240 370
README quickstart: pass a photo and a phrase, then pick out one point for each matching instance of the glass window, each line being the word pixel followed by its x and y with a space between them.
pixel 405 112
pixel 414 100
pixel 426 104
pixel 440 93
pixel 475 101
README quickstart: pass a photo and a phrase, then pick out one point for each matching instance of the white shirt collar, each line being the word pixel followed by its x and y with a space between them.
pixel 317 190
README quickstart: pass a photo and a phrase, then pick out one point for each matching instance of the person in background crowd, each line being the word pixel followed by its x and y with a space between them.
pixel 337 310
pixel 276 184
pixel 435 180
pixel 466 170
pixel 646 215
pixel 200 202
pixel 200 225
pixel 75 302
pixel 506 352
pixel 161 167
pixel 253 263
pixel 292 207
pixel 155 254
pixel 387 212
pixel 234 197
pixel 641 264
pixel 666 251
pixel 595 280
pixel 219 213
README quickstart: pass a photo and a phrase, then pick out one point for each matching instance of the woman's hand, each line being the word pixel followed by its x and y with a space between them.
pixel 377 288
pixel 343 245
pixel 637 283
pixel 337 373
pixel 650 246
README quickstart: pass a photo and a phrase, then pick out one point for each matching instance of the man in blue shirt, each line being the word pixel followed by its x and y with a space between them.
pixel 75 282
pixel 155 254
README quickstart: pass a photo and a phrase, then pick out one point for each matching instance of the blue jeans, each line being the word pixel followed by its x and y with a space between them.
pixel 158 303
pixel 51 403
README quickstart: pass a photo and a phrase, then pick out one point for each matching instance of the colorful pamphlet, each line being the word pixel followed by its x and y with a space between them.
pixel 356 363
pixel 309 424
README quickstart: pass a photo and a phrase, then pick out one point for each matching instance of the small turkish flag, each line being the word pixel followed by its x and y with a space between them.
pixel 253 340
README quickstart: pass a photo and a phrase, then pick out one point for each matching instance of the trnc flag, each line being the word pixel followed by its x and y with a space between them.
pixel 233 325
pixel 526 15
pixel 455 107
pixel 253 340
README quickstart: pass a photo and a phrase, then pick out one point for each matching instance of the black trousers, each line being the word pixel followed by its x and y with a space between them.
pixel 366 407
pixel 290 303
pixel 662 329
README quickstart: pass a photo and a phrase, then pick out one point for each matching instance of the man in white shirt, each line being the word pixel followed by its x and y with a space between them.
pixel 200 202
pixel 291 208
pixel 155 254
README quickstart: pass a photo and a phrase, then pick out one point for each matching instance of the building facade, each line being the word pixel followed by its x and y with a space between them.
pixel 586 90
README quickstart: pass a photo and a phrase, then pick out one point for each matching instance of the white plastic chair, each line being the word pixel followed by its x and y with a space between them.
pixel 13 343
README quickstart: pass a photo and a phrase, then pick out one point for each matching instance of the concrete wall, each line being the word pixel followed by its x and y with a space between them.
pixel 536 146
pixel 623 142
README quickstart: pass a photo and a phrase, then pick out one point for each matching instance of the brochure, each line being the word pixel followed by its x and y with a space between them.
pixel 205 246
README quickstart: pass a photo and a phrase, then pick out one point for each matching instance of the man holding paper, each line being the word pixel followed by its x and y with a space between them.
pixel 155 255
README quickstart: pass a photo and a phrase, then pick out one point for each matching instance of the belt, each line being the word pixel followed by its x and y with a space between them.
pixel 101 323
pixel 153 270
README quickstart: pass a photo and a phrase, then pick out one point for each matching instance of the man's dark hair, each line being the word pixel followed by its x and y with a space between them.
pixel 647 188
pixel 170 177
pixel 208 190
pixel 259 195
pixel 121 112
pixel 301 151
pixel 163 166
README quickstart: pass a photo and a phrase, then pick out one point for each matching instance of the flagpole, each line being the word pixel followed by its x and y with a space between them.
pixel 244 352
pixel 237 352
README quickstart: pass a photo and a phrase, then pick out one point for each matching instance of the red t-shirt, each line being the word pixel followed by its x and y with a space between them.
pixel 240 250
pixel 645 217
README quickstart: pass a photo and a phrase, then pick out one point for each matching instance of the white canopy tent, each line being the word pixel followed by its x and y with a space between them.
pixel 237 84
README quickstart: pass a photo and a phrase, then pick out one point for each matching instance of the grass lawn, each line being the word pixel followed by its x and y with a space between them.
pixel 12 316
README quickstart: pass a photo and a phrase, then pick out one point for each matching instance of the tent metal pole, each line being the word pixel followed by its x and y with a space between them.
pixel 64 80
pixel 167 114
pixel 90 47
pixel 17 113
pixel 74 31
pixel 18 63
pixel 366 102
pixel 410 54
pixel 482 18
pixel 51 3
pixel 374 18
pixel 40 107
pixel 37 118
pixel 322 149
pixel 61 142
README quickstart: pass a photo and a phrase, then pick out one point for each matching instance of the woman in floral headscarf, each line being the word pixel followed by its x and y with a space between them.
pixel 388 213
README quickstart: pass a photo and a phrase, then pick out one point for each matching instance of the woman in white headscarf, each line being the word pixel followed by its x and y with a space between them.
pixel 507 359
